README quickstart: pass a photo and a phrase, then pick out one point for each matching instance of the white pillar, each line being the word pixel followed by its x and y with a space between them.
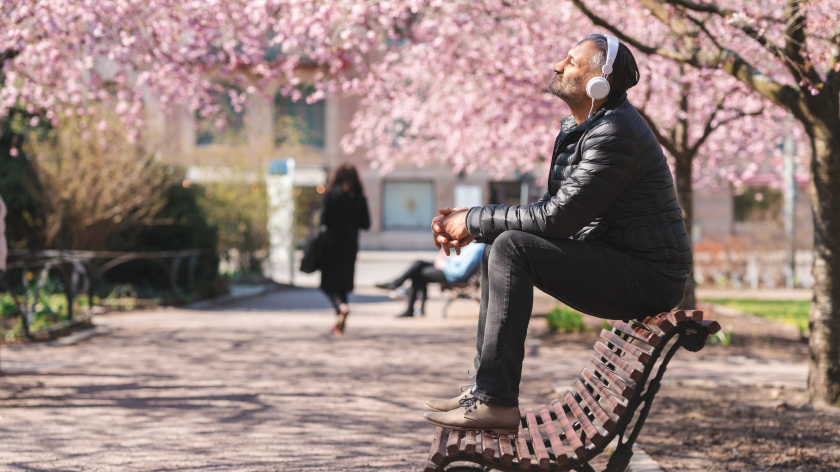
pixel 789 210
pixel 281 211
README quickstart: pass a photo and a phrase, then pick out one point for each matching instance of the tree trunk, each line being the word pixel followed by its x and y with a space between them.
pixel 824 345
pixel 685 197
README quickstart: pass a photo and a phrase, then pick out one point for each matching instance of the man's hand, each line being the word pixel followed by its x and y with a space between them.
pixel 436 227
pixel 450 229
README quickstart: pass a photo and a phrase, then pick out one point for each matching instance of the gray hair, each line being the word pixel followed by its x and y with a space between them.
pixel 597 61
pixel 625 72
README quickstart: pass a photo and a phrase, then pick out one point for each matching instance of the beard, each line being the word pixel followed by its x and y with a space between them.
pixel 570 90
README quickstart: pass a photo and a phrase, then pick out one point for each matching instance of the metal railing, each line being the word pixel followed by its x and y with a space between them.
pixel 79 271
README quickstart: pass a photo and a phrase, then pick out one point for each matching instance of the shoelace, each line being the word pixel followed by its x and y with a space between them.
pixel 469 403
pixel 470 374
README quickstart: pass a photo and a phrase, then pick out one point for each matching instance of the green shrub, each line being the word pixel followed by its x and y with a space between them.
pixel 184 226
pixel 50 309
pixel 565 320
pixel 794 312
pixel 725 338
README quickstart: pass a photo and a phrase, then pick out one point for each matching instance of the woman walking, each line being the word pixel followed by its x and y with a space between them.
pixel 344 213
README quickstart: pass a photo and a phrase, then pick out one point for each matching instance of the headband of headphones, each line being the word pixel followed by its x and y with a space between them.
pixel 612 50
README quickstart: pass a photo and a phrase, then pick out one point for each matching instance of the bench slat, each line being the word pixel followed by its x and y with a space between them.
pixel 695 315
pixel 488 445
pixel 589 428
pixel 438 449
pixel 553 437
pixel 629 349
pixel 537 440
pixel 453 444
pixel 522 449
pixel 616 383
pixel 469 443
pixel 633 373
pixel 660 326
pixel 505 450
pixel 675 316
pixel 638 333
pixel 603 392
pixel 430 467
pixel 711 326
pixel 569 430
pixel 606 422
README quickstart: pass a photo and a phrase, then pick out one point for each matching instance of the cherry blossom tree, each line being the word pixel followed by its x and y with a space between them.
pixel 788 52
pixel 58 56
pixel 464 83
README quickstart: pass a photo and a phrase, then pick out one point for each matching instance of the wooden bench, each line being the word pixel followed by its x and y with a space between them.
pixel 620 380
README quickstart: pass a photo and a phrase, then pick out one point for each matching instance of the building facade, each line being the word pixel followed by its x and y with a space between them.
pixel 402 201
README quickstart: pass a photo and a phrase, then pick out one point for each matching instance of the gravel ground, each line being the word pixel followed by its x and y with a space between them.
pixel 259 385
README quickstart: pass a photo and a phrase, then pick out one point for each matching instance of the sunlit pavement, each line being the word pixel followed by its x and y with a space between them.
pixel 259 384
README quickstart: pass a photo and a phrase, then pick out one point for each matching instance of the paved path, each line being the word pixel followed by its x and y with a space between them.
pixel 259 385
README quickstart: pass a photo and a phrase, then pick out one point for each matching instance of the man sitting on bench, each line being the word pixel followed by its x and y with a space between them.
pixel 449 269
pixel 607 238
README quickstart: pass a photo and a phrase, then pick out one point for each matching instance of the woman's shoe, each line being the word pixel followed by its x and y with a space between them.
pixel 387 286
pixel 406 314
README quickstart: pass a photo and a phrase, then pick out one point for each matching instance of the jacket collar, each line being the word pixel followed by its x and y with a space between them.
pixel 608 106
pixel 568 126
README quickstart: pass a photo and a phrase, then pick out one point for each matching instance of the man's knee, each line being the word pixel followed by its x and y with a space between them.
pixel 507 245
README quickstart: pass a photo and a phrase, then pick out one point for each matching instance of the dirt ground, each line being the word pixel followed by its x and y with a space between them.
pixel 723 428
pixel 260 385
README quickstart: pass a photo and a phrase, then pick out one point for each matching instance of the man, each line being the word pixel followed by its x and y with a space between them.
pixel 445 269
pixel 607 238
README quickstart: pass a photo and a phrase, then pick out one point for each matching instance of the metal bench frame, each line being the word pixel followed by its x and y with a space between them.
pixel 469 290
pixel 685 328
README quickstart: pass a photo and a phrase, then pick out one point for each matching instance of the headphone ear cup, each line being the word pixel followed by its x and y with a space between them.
pixel 597 88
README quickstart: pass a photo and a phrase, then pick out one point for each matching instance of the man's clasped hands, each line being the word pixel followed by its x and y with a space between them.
pixel 450 229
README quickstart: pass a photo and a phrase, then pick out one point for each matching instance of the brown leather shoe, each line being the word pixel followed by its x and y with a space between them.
pixel 476 415
pixel 451 404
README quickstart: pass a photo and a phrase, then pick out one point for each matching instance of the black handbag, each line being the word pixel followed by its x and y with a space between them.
pixel 313 253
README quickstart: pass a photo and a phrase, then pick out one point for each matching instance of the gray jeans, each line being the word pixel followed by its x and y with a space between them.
pixel 596 280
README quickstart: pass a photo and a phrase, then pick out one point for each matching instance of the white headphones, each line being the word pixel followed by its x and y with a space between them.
pixel 598 87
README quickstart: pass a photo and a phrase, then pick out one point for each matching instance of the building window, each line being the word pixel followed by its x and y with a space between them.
pixel 469 196
pixel 224 128
pixel 516 192
pixel 299 122
pixel 407 204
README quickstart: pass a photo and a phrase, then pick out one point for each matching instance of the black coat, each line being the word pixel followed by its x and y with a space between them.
pixel 344 214
pixel 609 184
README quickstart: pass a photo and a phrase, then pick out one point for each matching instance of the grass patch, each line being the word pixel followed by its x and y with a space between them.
pixel 794 312
pixel 565 320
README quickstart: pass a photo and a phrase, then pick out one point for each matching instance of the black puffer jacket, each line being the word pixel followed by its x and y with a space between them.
pixel 609 184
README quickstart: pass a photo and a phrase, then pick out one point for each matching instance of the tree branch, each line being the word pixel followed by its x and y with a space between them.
pixel 659 51
pixel 791 55
pixel 795 47
pixel 713 8
pixel 702 7
pixel 710 127
pixel 8 54
pixel 786 96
